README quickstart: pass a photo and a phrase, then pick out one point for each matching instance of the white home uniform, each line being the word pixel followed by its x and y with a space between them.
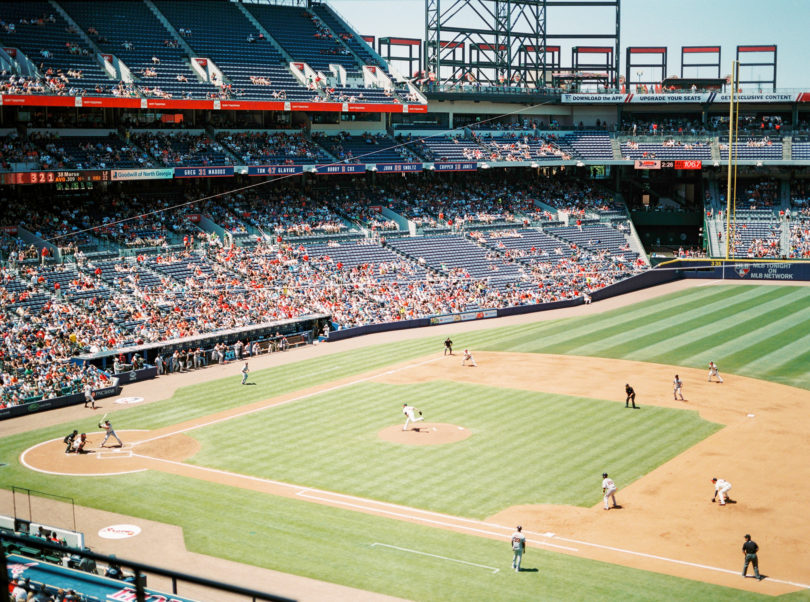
pixel 677 385
pixel 713 371
pixel 721 489
pixel 410 412
pixel 468 357
pixel 518 547
pixel 609 491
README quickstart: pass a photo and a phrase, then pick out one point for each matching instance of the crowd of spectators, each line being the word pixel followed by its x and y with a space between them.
pixel 800 238
pixel 178 149
pixel 261 148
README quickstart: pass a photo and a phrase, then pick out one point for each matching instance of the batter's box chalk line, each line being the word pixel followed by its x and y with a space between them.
pixel 114 454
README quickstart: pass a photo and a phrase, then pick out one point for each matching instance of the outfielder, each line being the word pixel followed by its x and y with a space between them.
pixel 468 357
pixel 518 547
pixel 110 433
pixel 410 412
pixel 608 490
pixel 245 371
pixel 722 488
pixel 677 388
pixel 713 371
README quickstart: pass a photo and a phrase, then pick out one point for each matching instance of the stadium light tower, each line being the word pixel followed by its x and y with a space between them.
pixel 506 39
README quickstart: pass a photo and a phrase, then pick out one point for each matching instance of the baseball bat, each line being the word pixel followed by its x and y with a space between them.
pixel 103 418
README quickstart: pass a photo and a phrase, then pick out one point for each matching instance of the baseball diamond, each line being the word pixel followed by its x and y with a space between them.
pixel 268 476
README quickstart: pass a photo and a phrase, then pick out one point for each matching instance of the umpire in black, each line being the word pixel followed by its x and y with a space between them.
pixel 750 549
pixel 631 396
pixel 448 346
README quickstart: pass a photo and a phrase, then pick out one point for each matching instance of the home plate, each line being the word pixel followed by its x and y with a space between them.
pixel 751 415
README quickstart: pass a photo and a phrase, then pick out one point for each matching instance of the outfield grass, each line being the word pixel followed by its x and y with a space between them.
pixel 755 331
pixel 526 447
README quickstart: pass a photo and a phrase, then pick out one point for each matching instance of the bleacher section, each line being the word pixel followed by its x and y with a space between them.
pixel 219 31
pixel 762 148
pixel 587 145
pixel 131 22
pixel 801 150
pixel 596 237
pixel 302 35
pixel 667 150
pixel 348 35
pixel 41 28
pixel 370 148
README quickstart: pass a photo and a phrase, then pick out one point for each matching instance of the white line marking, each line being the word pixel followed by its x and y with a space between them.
pixel 481 566
pixel 286 401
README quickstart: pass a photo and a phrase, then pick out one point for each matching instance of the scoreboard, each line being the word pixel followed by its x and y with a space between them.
pixel 679 164
pixel 55 177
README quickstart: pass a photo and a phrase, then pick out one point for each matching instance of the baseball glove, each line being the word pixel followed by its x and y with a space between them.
pixel 420 413
pixel 712 500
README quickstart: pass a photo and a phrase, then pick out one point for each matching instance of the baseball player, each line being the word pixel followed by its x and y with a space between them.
pixel 468 357
pixel 518 547
pixel 89 396
pixel 78 444
pixel 110 433
pixel 631 396
pixel 245 371
pixel 69 439
pixel 721 488
pixel 448 346
pixel 608 490
pixel 677 385
pixel 713 371
pixel 410 412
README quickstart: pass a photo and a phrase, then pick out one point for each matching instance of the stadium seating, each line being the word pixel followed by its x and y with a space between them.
pixel 303 36
pixel 587 145
pixel 754 148
pixel 370 148
pixel 667 150
pixel 40 29
pixel 131 21
pixel 348 35
pixel 219 31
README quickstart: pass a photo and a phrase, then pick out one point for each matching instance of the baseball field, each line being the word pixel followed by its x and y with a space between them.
pixel 307 471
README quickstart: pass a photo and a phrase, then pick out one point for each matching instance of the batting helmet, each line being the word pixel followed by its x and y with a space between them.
pixel 604 474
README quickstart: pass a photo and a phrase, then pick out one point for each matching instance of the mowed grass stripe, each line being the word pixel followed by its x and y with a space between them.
pixel 778 317
pixel 556 332
pixel 773 351
pixel 339 449
pixel 630 341
pixel 614 331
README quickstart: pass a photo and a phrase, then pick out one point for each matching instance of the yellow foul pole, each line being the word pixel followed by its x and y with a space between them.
pixel 730 146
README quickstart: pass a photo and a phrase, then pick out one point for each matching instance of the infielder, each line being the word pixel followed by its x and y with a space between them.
pixel 468 357
pixel 721 488
pixel 110 433
pixel 245 371
pixel 518 547
pixel 89 396
pixel 410 412
pixel 713 371
pixel 608 490
pixel 677 388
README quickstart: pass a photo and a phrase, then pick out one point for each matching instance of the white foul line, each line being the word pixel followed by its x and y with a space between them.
pixel 481 566
pixel 298 398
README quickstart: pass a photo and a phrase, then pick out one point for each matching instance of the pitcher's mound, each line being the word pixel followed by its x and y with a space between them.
pixel 425 433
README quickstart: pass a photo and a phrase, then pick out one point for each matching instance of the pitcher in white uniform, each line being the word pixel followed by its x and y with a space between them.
pixel 410 412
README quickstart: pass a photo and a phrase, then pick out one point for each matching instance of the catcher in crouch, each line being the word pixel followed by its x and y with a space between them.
pixel 110 433
pixel 411 413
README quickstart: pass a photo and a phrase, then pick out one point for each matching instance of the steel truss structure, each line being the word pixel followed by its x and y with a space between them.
pixel 507 41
